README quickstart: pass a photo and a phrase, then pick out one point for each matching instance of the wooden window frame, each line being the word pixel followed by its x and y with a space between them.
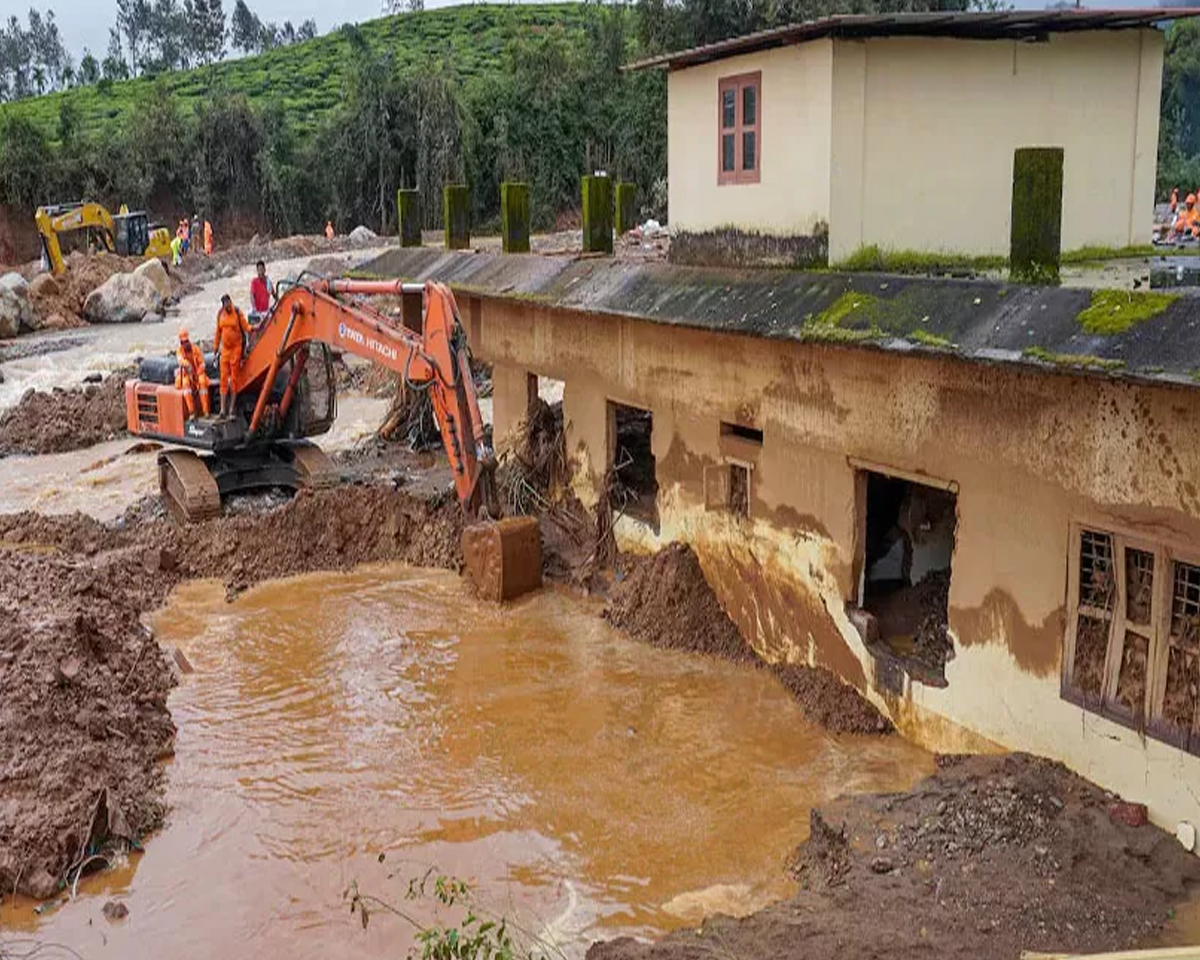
pixel 1158 632
pixel 738 83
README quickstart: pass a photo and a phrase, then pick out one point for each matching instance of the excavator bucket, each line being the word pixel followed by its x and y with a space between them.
pixel 503 558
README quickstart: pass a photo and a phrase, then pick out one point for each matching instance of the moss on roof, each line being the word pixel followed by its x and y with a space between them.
pixel 1115 311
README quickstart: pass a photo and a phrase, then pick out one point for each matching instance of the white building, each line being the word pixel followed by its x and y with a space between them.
pixel 808 142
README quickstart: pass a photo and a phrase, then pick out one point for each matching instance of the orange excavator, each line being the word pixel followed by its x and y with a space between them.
pixel 286 394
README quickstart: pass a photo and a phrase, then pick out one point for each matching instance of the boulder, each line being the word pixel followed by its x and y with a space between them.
pixel 123 298
pixel 16 312
pixel 44 285
pixel 360 236
pixel 153 270
pixel 11 309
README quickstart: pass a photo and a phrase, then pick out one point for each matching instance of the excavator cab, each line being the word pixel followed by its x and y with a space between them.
pixel 131 234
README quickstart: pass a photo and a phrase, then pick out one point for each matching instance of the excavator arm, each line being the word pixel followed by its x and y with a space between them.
pixel 51 221
pixel 435 359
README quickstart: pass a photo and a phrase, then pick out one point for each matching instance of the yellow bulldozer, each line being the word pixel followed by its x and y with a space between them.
pixel 125 234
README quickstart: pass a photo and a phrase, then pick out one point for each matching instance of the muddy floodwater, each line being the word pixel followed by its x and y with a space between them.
pixel 584 785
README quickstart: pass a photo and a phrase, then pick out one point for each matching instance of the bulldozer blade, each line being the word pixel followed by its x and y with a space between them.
pixel 503 558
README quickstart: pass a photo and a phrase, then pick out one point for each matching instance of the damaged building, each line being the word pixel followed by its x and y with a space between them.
pixel 952 494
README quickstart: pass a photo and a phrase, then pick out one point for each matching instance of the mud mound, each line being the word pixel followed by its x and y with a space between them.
pixel 333 529
pixel 827 701
pixel 988 857
pixel 665 601
pixel 63 420
pixel 83 690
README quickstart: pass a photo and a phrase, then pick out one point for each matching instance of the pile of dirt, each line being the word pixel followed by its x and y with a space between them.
pixel 83 685
pixel 60 420
pixel 665 600
pixel 83 707
pixel 197 267
pixel 988 857
pixel 931 641
pixel 827 701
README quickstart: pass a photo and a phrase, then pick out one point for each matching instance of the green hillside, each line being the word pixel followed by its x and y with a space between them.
pixel 307 78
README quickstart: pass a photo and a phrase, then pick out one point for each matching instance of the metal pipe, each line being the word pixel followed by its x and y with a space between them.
pixel 261 406
pixel 293 381
pixel 369 287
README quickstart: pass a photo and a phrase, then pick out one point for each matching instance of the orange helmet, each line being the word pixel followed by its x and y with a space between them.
pixel 1191 198
pixel 183 335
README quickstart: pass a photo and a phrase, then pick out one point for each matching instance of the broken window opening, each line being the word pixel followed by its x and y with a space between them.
pixel 633 485
pixel 739 490
pixel 742 432
pixel 908 535
pixel 1133 649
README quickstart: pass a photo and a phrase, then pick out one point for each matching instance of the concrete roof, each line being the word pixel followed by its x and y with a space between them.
pixel 1005 25
pixel 976 320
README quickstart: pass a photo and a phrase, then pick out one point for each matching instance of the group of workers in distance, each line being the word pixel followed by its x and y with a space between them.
pixel 232 333
pixel 1185 222
pixel 189 232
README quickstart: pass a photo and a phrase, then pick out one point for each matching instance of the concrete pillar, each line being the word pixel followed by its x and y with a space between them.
pixel 597 215
pixel 408 203
pixel 456 215
pixel 1035 250
pixel 514 217
pixel 626 207
pixel 510 400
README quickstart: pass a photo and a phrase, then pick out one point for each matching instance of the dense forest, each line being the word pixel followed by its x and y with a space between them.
pixel 306 128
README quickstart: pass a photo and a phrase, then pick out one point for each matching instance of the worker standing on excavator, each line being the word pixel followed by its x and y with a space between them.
pixel 260 293
pixel 231 327
pixel 190 375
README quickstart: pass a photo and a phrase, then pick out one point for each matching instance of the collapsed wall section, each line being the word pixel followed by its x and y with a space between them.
pixel 764 454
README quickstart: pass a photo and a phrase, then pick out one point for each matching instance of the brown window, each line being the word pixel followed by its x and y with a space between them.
pixel 1133 638
pixel 739 140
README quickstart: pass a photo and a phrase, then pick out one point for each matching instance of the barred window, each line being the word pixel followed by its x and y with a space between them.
pixel 1133 641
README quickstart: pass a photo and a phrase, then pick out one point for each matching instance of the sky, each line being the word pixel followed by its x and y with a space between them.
pixel 85 23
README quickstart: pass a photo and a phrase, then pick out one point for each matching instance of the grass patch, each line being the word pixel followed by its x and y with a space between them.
pixel 1115 311
pixel 1084 255
pixel 927 339
pixel 851 307
pixel 874 259
pixel 1071 359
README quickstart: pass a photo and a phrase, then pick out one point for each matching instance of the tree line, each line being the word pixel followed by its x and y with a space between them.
pixel 148 37
pixel 554 107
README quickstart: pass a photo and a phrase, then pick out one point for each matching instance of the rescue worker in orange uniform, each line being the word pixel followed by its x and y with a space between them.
pixel 231 326
pixel 190 375
pixel 329 234
pixel 208 238
pixel 1187 223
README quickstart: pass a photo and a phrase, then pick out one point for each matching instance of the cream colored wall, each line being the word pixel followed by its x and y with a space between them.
pixel 792 196
pixel 1030 452
pixel 924 131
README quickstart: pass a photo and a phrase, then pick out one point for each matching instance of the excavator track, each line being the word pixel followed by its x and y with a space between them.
pixel 189 491
pixel 313 468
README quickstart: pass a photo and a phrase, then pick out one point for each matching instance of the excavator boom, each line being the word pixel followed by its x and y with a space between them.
pixel 435 360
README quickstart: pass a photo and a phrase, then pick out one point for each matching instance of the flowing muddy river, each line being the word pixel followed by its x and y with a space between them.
pixel 583 784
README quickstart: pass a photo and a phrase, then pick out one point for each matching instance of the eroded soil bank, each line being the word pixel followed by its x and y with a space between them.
pixel 988 857
pixel 83 684
pixel 59 420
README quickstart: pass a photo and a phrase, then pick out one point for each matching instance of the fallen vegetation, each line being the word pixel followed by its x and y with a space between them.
pixel 988 857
